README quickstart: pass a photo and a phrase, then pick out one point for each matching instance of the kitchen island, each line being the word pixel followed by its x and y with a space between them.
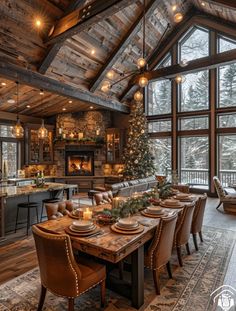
pixel 10 196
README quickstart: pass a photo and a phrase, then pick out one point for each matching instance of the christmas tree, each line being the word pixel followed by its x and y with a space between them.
pixel 138 160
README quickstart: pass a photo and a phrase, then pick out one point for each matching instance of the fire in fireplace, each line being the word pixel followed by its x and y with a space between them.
pixel 79 163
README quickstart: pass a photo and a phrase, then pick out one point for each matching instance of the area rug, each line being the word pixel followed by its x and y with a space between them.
pixel 190 289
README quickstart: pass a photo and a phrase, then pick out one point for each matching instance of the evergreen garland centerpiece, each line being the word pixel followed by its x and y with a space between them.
pixel 138 160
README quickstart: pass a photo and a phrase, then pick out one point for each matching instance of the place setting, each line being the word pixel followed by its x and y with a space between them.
pixel 172 203
pixel 154 212
pixel 83 228
pixel 127 226
pixel 184 197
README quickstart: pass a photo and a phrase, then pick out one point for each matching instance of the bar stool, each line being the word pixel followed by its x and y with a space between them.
pixel 26 205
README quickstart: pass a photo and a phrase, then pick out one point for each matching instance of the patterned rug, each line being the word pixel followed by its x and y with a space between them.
pixel 190 289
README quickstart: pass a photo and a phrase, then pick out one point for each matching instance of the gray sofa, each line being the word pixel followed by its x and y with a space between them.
pixel 127 188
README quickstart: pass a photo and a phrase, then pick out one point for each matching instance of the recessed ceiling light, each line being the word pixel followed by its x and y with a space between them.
pixel 11 101
pixel 3 84
pixel 41 93
pixel 70 102
pixel 110 74
pixel 91 107
pixel 178 17
pixel 174 8
pixel 203 3
pixel 92 52
pixel 28 106
pixel 64 109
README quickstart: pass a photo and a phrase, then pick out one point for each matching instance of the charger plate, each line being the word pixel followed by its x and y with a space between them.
pixel 172 206
pixel 136 231
pixel 82 234
pixel 144 213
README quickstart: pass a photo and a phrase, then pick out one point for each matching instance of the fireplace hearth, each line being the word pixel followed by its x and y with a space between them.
pixel 79 163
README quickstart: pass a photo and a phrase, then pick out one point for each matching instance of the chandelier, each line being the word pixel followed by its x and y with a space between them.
pixel 142 66
pixel 17 130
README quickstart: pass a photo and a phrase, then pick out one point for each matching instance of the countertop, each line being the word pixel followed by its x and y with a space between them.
pixel 64 177
pixel 14 191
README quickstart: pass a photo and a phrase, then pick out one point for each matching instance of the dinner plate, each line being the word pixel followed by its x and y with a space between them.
pixel 83 234
pixel 145 213
pixel 128 223
pixel 180 205
pixel 125 228
pixel 122 231
pixel 154 210
pixel 74 229
pixel 82 224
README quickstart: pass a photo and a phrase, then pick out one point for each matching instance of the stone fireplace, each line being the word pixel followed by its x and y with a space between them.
pixel 79 163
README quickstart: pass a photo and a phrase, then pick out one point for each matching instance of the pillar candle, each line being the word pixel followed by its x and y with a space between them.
pixel 87 215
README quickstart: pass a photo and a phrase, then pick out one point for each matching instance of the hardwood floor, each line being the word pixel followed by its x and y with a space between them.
pixel 17 257
pixel 17 253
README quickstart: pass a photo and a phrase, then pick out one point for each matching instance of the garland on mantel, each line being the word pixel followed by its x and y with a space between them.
pixel 85 140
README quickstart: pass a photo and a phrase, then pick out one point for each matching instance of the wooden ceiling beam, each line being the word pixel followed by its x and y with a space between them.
pixel 82 18
pixel 54 49
pixel 34 79
pixel 117 52
pixel 204 63
pixel 74 23
pixel 230 4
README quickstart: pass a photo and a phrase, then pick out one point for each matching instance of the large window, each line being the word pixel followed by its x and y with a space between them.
pixel 8 151
pixel 194 92
pixel 159 97
pixel 194 160
pixel 162 155
pixel 198 115
pixel 194 44
pixel 227 158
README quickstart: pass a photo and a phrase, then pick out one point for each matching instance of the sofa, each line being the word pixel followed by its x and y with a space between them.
pixel 127 188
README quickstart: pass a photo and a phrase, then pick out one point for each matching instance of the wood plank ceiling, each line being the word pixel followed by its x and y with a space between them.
pixel 81 57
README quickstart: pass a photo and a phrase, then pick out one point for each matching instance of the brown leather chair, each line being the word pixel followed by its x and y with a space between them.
pixel 228 200
pixel 198 219
pixel 103 197
pixel 59 271
pixel 59 209
pixel 183 229
pixel 160 249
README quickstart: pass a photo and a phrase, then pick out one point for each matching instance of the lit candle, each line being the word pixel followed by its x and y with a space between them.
pixel 87 215
pixel 81 135
pixel 116 202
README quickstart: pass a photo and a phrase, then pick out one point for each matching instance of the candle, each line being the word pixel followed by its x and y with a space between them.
pixel 87 215
pixel 116 202
pixel 81 135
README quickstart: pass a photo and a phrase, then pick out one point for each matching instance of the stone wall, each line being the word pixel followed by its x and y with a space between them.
pixel 91 124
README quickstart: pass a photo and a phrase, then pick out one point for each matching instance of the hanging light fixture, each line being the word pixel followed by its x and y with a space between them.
pixel 179 79
pixel 138 96
pixel 143 81
pixel 42 131
pixel 17 130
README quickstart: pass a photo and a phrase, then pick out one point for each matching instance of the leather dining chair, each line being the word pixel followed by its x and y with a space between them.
pixel 59 271
pixel 103 197
pixel 198 219
pixel 183 229
pixel 159 252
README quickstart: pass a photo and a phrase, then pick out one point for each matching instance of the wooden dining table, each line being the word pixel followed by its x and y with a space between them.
pixel 113 247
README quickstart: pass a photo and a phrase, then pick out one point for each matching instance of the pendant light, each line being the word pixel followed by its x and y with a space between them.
pixel 42 131
pixel 17 130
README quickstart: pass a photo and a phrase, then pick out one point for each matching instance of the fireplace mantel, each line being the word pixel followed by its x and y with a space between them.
pixel 81 145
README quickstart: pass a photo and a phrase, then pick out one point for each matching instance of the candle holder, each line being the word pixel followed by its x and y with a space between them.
pixel 87 214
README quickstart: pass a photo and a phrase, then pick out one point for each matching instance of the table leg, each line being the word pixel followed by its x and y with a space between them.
pixel 137 259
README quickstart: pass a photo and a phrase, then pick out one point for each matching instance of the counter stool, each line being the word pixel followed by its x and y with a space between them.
pixel 26 205
pixel 51 200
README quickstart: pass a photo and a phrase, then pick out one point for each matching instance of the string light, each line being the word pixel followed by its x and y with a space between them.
pixel 174 8
pixel 141 62
pixel 143 81
pixel 138 96
pixel 93 52
pixel 179 79
pixel 110 74
pixel 3 84
pixel 91 107
pixel 28 106
pixel 70 102
pixel 203 3
pixel 63 109
pixel 106 86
